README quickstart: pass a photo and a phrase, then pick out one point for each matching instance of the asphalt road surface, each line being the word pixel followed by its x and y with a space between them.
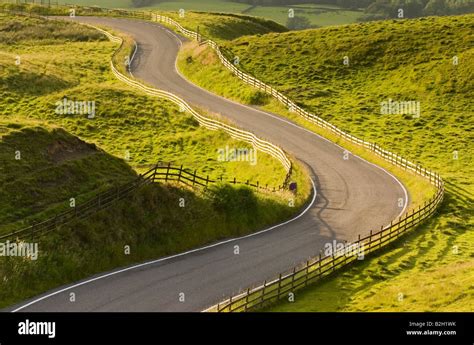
pixel 353 197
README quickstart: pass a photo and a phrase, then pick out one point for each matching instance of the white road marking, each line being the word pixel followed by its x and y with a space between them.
pixel 131 60
pixel 173 256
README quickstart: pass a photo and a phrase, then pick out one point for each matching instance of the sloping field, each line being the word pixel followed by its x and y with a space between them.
pixel 51 153
pixel 348 75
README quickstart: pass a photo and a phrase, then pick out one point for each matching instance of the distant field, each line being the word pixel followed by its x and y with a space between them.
pixel 201 5
pixel 316 15
pixel 320 15
pixel 101 3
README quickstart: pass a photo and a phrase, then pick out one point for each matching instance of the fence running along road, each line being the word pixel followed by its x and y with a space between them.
pixel 236 133
pixel 159 173
pixel 318 267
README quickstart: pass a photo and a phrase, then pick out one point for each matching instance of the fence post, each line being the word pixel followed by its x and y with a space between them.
pixel 279 287
pixel 398 226
pixel 381 236
pixel 247 299
pixel 180 171
pixel 307 273
pixel 320 263
pixel 207 180
pixel 370 240
pixel 333 261
pixel 293 279
pixel 154 173
pixel 194 176
pixel 167 172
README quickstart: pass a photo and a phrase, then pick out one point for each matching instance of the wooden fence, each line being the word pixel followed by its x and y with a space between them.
pixel 82 210
pixel 159 173
pixel 317 267
pixel 234 132
pixel 173 173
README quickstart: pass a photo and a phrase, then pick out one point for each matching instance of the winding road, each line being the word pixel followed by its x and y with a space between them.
pixel 353 197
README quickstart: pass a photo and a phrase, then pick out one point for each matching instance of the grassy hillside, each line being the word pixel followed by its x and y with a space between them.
pixel 41 177
pixel 409 60
pixel 56 166
pixel 74 155
pixel 51 71
pixel 224 26
pixel 315 14
pixel 217 26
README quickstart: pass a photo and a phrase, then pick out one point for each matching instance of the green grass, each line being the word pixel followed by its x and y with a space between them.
pixel 38 180
pixel 401 60
pixel 50 72
pixel 203 6
pixel 150 221
pixel 316 16
pixel 56 164
pixel 320 15
pixel 220 26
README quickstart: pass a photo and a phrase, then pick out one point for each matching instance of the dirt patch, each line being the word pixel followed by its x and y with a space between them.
pixel 209 57
pixel 63 150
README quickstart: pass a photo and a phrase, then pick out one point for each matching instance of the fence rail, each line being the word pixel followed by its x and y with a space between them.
pixel 159 173
pixel 81 210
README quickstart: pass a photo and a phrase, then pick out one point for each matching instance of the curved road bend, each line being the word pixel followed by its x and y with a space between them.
pixel 353 197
